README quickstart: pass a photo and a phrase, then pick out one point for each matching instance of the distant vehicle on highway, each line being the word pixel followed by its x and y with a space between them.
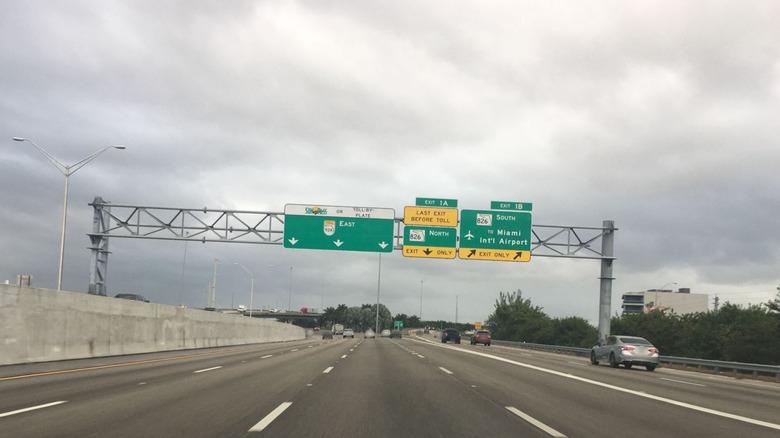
pixel 369 334
pixel 338 329
pixel 481 337
pixel 451 335
pixel 134 297
pixel 385 333
pixel 327 334
pixel 395 334
pixel 626 350
pixel 349 333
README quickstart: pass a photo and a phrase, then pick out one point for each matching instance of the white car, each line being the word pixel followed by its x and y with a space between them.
pixel 369 334
pixel 385 333
pixel 626 350
pixel 349 333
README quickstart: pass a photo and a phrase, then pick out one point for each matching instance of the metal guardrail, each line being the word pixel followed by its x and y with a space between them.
pixel 736 368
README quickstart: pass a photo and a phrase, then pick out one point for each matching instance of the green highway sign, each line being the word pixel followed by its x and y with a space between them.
pixel 518 206
pixel 495 235
pixel 338 228
pixel 430 242
pixel 433 202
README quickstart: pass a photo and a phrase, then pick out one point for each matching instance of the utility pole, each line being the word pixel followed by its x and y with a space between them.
pixel 421 295
pixel 213 297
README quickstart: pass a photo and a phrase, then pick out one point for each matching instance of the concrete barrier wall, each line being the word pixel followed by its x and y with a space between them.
pixel 38 325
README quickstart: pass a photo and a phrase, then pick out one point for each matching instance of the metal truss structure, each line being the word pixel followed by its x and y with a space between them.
pixel 256 227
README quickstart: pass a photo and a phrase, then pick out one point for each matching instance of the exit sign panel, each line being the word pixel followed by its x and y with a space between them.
pixel 338 228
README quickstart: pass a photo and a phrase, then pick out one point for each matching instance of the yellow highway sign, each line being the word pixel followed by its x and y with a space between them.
pixel 431 216
pixel 429 252
pixel 502 255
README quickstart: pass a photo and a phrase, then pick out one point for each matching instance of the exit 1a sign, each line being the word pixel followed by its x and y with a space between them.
pixel 338 228
pixel 436 202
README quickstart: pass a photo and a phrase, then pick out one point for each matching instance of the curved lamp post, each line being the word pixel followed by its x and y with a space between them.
pixel 66 170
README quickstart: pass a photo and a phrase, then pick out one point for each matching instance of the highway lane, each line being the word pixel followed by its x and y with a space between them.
pixel 384 389
pixel 741 397
pixel 576 397
pixel 188 396
pixel 375 387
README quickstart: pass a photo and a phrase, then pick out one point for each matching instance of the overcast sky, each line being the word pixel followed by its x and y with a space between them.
pixel 661 116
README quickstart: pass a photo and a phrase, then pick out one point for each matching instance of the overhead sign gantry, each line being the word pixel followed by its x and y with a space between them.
pixel 253 227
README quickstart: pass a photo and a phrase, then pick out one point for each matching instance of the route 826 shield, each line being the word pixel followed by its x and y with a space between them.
pixel 417 235
pixel 329 227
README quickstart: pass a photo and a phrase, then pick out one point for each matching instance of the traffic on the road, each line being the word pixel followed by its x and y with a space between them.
pixel 414 385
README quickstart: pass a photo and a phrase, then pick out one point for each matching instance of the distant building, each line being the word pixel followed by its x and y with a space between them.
pixel 666 301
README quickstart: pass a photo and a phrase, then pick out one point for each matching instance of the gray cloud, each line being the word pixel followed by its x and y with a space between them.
pixel 662 117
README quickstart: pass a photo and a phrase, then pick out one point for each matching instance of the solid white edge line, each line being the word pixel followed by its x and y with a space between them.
pixel 32 408
pixel 207 369
pixel 267 356
pixel 262 424
pixel 536 423
pixel 327 370
pixel 672 402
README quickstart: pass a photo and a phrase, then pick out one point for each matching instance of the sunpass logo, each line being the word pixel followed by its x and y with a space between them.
pixel 316 210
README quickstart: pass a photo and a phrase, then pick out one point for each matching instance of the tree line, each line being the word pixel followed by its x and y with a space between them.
pixel 361 318
pixel 357 318
pixel 749 334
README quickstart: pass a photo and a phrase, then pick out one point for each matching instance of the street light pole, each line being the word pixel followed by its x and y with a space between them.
pixel 289 297
pixel 378 288
pixel 252 288
pixel 183 266
pixel 213 296
pixel 66 170
pixel 456 309
pixel 421 285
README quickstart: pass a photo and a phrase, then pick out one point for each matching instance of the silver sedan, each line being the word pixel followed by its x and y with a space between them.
pixel 626 350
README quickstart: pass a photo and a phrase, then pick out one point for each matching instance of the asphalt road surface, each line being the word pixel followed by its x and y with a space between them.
pixel 410 387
